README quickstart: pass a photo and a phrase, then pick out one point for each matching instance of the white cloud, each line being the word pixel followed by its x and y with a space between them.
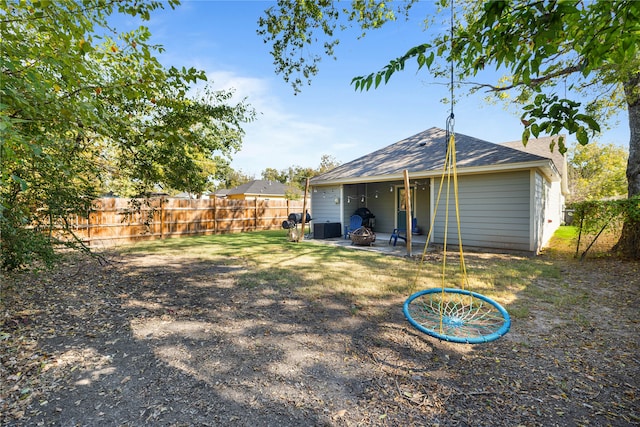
pixel 243 86
pixel 277 138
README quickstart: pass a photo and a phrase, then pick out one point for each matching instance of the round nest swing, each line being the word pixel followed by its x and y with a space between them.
pixel 457 315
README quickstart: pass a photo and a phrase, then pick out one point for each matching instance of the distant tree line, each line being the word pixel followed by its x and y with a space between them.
pixel 294 176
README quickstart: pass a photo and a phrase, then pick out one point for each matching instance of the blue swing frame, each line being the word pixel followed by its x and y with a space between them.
pixel 462 340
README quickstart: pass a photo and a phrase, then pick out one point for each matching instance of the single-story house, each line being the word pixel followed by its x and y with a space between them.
pixel 510 196
pixel 222 193
pixel 192 196
pixel 258 189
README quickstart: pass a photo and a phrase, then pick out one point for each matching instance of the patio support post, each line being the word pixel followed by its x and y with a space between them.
pixel 407 200
pixel 304 208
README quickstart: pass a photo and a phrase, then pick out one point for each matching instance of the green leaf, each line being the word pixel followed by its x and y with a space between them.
pixel 525 136
pixel 388 75
pixel 535 130
pixel 590 121
pixel 581 136
pixel 430 59
pixel 22 182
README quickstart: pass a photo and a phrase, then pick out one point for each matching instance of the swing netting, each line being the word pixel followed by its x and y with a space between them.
pixel 457 315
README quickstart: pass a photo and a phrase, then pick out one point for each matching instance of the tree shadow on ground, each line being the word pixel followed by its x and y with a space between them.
pixel 170 340
pixel 163 341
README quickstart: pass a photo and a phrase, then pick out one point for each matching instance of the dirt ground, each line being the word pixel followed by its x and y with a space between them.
pixel 156 340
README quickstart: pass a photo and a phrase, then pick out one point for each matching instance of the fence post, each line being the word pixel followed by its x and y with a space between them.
pixel 215 215
pixel 255 216
pixel 89 227
pixel 161 217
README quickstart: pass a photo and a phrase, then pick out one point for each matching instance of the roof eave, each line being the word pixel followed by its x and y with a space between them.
pixel 357 180
pixel 546 166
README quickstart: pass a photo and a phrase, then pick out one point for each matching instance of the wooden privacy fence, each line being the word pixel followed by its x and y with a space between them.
pixel 116 220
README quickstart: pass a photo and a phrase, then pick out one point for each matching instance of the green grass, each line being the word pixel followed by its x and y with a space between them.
pixel 563 242
pixel 269 259
pixel 566 233
pixel 314 270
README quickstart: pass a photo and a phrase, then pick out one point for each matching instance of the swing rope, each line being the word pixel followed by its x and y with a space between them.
pixel 453 314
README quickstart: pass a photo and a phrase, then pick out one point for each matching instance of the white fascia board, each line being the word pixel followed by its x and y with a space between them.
pixel 358 180
pixel 547 168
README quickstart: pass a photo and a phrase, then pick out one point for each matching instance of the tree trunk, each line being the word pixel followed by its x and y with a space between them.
pixel 629 243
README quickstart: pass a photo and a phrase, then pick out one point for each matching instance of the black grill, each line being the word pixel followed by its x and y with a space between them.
pixel 366 215
pixel 294 219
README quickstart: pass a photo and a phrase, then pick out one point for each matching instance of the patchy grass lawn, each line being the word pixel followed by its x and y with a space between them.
pixel 250 329
pixel 316 270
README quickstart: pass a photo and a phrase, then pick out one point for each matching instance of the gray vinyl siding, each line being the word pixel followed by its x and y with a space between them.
pixel 494 211
pixel 323 205
pixel 383 207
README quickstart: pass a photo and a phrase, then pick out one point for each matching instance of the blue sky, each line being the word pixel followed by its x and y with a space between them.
pixel 328 117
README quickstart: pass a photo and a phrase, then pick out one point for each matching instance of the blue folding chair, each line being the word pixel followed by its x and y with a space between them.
pixel 398 233
pixel 401 233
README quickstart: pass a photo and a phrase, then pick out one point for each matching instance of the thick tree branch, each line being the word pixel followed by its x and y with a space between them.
pixel 533 83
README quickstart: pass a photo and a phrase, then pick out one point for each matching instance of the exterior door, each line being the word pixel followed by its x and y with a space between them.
pixel 401 216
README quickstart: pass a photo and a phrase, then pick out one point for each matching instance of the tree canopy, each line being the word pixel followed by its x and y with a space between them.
pixel 85 109
pixel 568 64
pixel 297 175
pixel 596 171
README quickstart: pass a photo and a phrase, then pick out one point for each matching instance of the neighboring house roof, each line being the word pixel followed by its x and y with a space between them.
pixel 425 153
pixel 542 147
pixel 184 195
pixel 192 196
pixel 260 187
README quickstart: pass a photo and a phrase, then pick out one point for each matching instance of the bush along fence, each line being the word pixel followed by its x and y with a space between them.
pixel 115 221
pixel 597 218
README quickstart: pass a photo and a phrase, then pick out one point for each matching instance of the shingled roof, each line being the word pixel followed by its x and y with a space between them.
pixel 541 147
pixel 425 153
